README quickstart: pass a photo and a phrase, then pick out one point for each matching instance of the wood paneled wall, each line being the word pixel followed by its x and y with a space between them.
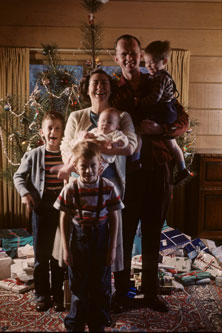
pixel 195 25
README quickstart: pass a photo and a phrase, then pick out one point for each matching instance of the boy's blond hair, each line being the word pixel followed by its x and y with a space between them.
pixel 87 150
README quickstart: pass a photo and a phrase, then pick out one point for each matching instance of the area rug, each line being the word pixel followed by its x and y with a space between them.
pixel 197 309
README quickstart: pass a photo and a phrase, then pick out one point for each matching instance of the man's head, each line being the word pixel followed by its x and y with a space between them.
pixel 128 54
pixel 109 120
pixel 87 159
pixel 53 125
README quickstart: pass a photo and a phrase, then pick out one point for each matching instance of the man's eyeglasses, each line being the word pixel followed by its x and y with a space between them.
pixel 125 54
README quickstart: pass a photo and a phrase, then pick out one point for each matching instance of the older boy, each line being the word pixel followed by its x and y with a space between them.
pixel 39 190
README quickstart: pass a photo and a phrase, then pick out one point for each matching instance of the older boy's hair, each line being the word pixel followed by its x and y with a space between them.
pixel 158 49
pixel 87 150
pixel 52 115
pixel 127 38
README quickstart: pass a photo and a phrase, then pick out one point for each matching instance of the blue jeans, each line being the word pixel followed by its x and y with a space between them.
pixel 89 279
pixel 45 220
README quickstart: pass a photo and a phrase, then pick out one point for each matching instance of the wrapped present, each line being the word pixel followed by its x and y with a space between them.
pixel 211 245
pixel 136 262
pixel 171 240
pixel 11 239
pixel 5 264
pixel 20 269
pixel 217 252
pixel 207 263
pixel 16 285
pixel 191 277
pixel 218 281
pixel 25 251
pixel 181 264
pixel 194 247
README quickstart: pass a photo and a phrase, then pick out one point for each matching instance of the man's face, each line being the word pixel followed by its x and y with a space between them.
pixel 128 55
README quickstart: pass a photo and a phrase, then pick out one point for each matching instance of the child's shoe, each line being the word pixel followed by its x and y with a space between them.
pixel 182 177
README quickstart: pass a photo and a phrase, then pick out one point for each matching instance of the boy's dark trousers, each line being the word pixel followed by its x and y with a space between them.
pixel 89 278
pixel 45 219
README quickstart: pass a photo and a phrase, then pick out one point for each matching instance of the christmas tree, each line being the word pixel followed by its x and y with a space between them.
pixel 56 88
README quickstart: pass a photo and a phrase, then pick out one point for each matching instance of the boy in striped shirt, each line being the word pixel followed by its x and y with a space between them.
pixel 91 202
pixel 39 190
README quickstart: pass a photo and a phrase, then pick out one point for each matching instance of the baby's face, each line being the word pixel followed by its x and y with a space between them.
pixel 108 122
pixel 152 65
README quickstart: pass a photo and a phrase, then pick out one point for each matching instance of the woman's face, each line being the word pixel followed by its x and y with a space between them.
pixel 99 88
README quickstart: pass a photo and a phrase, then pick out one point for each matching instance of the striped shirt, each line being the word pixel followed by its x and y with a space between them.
pixel 51 181
pixel 88 194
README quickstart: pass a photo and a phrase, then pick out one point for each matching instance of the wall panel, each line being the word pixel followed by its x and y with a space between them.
pixel 210 121
pixel 206 69
pixel 194 25
pixel 205 95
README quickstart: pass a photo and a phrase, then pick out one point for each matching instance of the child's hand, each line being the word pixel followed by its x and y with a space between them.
pixel 111 255
pixel 61 170
pixel 28 201
pixel 64 173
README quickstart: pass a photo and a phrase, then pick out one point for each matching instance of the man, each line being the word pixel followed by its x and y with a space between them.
pixel 148 188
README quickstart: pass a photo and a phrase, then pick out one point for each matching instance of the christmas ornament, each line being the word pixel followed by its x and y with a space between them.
pixel 32 125
pixel 11 137
pixel 91 18
pixel 6 107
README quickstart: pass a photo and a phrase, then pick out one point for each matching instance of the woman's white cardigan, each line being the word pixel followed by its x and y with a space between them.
pixel 80 121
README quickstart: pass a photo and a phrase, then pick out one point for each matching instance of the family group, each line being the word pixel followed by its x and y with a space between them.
pixel 109 167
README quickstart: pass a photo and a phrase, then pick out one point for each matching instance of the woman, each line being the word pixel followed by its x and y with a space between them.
pixel 97 87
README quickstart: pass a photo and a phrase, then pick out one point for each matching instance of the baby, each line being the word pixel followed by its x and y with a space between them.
pixel 106 135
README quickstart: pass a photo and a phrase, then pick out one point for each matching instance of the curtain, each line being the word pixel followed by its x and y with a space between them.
pixel 179 68
pixel 14 81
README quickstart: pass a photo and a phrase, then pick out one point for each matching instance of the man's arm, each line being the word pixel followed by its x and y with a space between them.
pixel 167 130
pixel 179 126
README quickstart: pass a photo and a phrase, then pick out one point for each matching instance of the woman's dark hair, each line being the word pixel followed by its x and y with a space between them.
pixel 84 83
pixel 158 49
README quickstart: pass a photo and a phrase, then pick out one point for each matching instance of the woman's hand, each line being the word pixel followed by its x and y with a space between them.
pixel 111 255
pixel 150 127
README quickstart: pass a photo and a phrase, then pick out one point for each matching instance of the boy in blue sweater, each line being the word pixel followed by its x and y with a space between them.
pixel 39 189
